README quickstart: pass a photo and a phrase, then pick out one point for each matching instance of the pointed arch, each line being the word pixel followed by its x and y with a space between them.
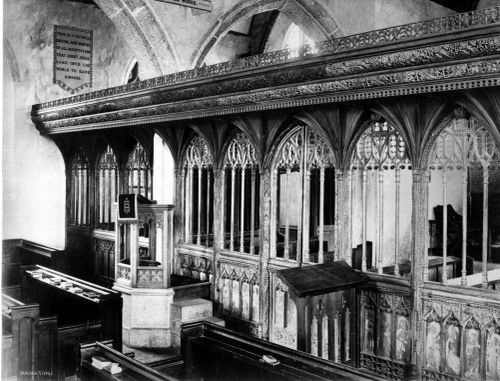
pixel 139 24
pixel 299 11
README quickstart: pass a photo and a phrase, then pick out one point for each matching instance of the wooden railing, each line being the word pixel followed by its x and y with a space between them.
pixel 131 369
pixel 214 352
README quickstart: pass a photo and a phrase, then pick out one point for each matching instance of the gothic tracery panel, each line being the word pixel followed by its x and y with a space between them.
pixel 304 182
pixel 381 219
pixel 198 193
pixel 242 179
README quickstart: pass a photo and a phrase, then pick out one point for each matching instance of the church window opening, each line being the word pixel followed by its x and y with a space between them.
pixel 296 39
pixel 241 196
pixel 198 193
pixel 305 184
pixel 381 218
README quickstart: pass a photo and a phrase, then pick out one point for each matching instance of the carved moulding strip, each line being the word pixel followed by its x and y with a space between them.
pixel 446 78
pixel 391 370
pixel 432 54
pixel 299 73
pixel 454 23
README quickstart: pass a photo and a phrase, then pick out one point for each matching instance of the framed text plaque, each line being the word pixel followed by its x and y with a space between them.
pixel 72 58
pixel 202 5
pixel 127 207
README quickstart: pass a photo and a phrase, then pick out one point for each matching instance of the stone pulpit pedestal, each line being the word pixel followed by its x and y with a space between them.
pixel 142 274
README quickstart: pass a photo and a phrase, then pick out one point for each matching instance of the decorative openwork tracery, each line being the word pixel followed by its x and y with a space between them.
pixel 198 193
pixel 139 172
pixel 317 152
pixel 197 154
pixel 380 148
pixel 107 188
pixel 79 188
pixel 242 179
pixel 464 155
pixel 304 166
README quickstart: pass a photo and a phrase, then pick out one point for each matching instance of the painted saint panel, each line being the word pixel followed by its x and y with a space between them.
pixel 384 336
pixel 369 330
pixel 235 297
pixel 402 338
pixel 433 345
pixel 245 307
pixel 472 351
pixel 493 353
pixel 452 349
pixel 255 302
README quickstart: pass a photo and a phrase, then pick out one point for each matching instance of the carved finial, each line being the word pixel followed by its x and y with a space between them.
pixel 460 113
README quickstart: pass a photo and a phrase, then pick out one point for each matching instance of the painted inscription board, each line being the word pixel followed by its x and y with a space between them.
pixel 72 58
pixel 203 5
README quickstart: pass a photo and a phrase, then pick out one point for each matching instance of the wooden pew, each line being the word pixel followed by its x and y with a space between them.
pixel 22 252
pixel 90 305
pixel 68 319
pixel 211 352
pixel 19 324
pixel 131 369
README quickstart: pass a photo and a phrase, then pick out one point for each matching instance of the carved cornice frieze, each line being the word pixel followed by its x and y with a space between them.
pixel 321 78
pixel 400 33
pixel 432 54
pixel 449 77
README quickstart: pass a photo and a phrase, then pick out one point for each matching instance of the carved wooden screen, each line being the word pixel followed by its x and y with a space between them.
pixel 79 206
pixel 198 193
pixel 106 189
pixel 139 172
pixel 305 185
pixel 241 217
pixel 465 176
pixel 381 171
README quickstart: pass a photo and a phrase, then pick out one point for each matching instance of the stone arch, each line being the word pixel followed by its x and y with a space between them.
pixel 138 22
pixel 319 23
pixel 11 60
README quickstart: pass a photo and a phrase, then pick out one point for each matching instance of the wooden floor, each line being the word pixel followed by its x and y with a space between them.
pixel 164 360
pixel 151 356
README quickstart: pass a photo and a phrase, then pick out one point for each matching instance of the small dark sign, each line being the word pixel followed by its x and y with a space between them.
pixel 127 207
pixel 202 5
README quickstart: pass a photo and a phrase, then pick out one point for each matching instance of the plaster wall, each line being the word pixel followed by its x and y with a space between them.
pixel 190 29
pixel 33 167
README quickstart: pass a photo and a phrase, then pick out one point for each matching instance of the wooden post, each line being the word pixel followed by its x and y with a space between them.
pixel 397 180
pixel 286 248
pixel 464 227
pixel 208 208
pixel 444 276
pixel 364 212
pixel 305 213
pixel 231 238
pixel 242 211
pixel 252 214
pixel 198 230
pixel 380 212
pixel 134 253
pixel 485 227
pixel 321 213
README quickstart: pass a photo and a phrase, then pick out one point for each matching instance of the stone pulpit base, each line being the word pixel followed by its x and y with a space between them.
pixel 146 316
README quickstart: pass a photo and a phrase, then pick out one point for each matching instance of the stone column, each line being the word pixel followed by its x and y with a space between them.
pixel 218 229
pixel 420 224
pixel 266 179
